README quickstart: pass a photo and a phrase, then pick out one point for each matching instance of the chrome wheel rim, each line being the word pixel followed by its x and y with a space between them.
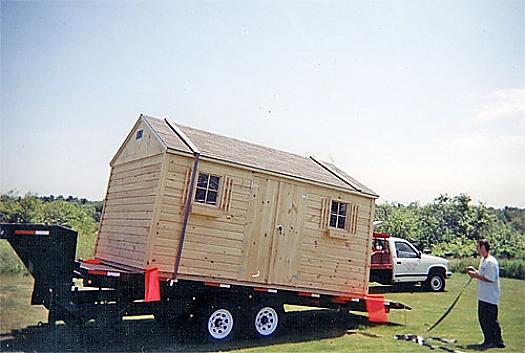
pixel 436 283
pixel 220 324
pixel 266 321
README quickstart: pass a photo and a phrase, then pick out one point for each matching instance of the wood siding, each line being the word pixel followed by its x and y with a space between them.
pixel 265 230
pixel 128 211
pixel 213 243
pixel 270 232
pixel 133 148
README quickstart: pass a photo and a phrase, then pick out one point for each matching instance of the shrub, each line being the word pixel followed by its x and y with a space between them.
pixel 507 268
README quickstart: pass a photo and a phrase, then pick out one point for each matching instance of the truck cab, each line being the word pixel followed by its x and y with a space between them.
pixel 397 261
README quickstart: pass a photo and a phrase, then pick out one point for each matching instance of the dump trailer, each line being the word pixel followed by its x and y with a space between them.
pixel 79 291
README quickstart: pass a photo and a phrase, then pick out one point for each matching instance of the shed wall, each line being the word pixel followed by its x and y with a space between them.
pixel 128 211
pixel 333 263
pixel 238 241
pixel 213 243
pixel 135 148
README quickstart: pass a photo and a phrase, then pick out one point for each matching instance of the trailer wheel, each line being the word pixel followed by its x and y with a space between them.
pixel 220 321
pixel 266 319
pixel 220 324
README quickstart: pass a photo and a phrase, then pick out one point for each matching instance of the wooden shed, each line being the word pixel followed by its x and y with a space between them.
pixel 249 215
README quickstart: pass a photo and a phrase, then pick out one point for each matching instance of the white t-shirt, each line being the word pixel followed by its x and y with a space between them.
pixel 489 292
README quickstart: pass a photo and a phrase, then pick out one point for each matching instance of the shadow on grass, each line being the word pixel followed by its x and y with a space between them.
pixel 148 336
pixel 399 288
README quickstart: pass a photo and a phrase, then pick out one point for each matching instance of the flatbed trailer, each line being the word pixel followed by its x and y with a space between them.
pixel 79 291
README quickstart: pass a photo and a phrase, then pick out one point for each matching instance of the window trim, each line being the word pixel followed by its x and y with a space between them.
pixel 351 218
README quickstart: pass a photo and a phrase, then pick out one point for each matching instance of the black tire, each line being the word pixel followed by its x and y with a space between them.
pixel 219 321
pixel 265 320
pixel 435 282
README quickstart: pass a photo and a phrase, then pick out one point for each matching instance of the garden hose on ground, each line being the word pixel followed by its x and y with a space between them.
pixel 425 341
pixel 445 314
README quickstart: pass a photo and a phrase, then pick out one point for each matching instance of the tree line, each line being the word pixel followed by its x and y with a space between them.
pixel 451 225
pixel 80 214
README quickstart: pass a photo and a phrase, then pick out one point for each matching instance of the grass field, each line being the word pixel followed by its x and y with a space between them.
pixel 305 331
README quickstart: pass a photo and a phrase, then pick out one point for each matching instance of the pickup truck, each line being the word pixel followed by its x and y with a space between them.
pixel 397 261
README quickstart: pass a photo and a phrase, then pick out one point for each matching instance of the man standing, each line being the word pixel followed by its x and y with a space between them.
pixel 488 295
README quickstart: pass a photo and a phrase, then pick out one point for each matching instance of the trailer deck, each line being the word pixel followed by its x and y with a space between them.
pixel 78 291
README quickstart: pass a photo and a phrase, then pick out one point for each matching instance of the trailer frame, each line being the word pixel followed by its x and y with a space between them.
pixel 78 291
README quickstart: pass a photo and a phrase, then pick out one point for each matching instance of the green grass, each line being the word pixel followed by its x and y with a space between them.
pixel 10 264
pixel 311 331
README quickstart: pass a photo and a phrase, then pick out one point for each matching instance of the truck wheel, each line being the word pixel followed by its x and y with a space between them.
pixel 266 320
pixel 435 282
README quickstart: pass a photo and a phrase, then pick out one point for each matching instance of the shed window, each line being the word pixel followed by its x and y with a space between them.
pixel 338 215
pixel 207 189
pixel 139 135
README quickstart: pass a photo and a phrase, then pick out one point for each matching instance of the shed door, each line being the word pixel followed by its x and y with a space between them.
pixel 286 246
pixel 272 236
pixel 259 230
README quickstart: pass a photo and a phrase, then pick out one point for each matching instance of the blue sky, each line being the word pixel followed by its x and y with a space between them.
pixel 413 98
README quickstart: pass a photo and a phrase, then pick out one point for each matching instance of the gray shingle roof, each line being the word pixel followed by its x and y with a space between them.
pixel 252 155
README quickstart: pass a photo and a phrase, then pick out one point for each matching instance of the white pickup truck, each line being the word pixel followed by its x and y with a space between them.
pixel 397 261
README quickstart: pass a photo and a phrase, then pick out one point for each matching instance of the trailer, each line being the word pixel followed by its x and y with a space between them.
pixel 211 230
pixel 81 291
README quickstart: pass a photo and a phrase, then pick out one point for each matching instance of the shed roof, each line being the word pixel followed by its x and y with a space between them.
pixel 255 156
